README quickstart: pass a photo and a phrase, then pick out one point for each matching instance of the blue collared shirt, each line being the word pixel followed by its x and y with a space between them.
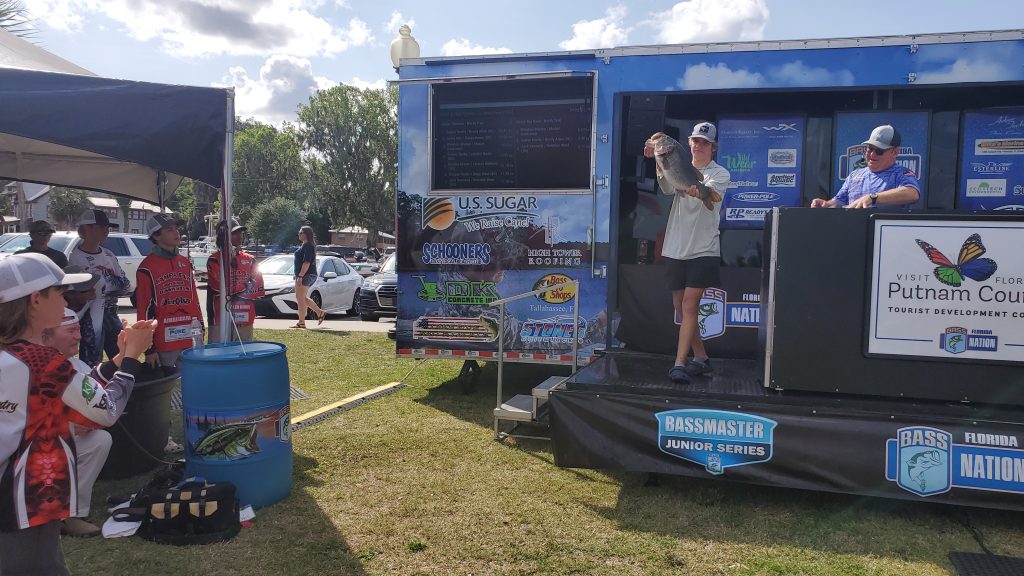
pixel 863 182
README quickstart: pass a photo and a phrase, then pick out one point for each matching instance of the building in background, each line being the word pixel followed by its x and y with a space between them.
pixel 355 237
pixel 30 202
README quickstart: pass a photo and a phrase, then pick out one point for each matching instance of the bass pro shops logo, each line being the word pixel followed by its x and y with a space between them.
pixel 923 456
pixel 716 439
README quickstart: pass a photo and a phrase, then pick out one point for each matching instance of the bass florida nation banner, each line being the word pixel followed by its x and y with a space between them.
pixel 992 162
pixel 947 289
pixel 763 155
pixel 853 128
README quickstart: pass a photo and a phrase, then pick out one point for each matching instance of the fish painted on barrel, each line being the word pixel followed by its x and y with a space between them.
pixel 228 442
pixel 675 165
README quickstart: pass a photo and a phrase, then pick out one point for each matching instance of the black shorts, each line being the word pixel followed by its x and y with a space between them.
pixel 308 280
pixel 693 273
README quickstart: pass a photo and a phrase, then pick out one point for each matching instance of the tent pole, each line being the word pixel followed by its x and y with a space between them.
pixel 226 320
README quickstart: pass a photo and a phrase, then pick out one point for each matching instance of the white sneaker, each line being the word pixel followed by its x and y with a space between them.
pixel 173 447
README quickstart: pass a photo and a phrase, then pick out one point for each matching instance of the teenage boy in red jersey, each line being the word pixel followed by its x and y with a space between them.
pixel 166 292
pixel 246 285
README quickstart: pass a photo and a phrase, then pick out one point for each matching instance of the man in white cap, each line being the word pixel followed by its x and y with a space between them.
pixel 692 250
pixel 882 182
pixel 92 446
pixel 99 321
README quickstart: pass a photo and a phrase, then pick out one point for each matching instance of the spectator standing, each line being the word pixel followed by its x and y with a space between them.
pixel 99 320
pixel 39 233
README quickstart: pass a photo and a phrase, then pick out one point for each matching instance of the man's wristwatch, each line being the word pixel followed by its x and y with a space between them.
pixel 874 198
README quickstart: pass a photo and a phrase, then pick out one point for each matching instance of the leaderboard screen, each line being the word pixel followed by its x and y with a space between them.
pixel 532 135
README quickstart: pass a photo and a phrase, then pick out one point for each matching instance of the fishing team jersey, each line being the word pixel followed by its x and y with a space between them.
pixel 692 230
pixel 165 291
pixel 112 285
pixel 863 182
pixel 41 394
pixel 246 286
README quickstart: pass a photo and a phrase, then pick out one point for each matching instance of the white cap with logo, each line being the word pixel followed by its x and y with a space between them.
pixel 705 131
pixel 23 274
pixel 884 137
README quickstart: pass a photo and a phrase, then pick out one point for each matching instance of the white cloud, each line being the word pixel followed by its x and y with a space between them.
pixel 396 21
pixel 711 21
pixel 284 82
pixel 378 84
pixel 704 77
pixel 462 47
pixel 799 74
pixel 967 70
pixel 214 27
pixel 604 32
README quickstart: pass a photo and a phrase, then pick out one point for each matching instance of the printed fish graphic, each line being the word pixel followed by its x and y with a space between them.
pixel 675 165
pixel 230 441
pixel 921 463
pixel 705 310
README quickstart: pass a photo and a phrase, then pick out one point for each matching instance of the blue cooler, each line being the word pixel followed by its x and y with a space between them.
pixel 237 418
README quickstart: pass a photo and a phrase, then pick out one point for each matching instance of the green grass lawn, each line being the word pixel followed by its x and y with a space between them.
pixel 414 483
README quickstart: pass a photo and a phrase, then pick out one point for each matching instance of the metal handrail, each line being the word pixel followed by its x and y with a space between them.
pixel 501 334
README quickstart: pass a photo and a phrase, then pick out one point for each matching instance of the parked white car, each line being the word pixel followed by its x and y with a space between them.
pixel 199 254
pixel 336 289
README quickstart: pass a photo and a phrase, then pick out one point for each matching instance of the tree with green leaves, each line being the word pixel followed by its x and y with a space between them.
pixel 66 205
pixel 276 222
pixel 353 137
pixel 267 164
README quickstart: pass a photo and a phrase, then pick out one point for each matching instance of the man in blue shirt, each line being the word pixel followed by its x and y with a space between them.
pixel 882 182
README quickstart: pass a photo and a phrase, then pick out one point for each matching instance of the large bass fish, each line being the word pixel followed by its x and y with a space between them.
pixel 675 165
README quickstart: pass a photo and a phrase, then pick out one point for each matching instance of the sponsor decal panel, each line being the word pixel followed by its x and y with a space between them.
pixel 926 461
pixel 715 314
pixel 456 329
pixel 561 295
pixel 554 329
pixel 464 292
pixel 739 162
pixel 947 289
pixel 986 187
pixel 438 253
pixel 746 214
pixel 782 180
pixel 998 146
pixel 756 197
pixel 716 439
pixel 991 168
pixel 782 157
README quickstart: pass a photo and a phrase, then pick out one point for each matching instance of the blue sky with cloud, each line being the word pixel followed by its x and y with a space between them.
pixel 278 52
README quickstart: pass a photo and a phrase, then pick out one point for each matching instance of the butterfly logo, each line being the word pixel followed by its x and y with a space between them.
pixel 968 263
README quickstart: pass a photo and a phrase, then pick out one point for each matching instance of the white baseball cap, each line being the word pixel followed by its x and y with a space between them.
pixel 69 317
pixel 884 137
pixel 23 274
pixel 705 131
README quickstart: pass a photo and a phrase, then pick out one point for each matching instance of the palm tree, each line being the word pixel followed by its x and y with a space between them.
pixel 14 18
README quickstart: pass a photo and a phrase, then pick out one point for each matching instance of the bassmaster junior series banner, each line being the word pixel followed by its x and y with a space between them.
pixel 764 157
pixel 992 165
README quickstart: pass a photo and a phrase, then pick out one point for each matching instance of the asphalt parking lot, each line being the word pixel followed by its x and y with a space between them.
pixel 335 322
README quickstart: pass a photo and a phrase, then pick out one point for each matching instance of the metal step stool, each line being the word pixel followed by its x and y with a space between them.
pixel 525 407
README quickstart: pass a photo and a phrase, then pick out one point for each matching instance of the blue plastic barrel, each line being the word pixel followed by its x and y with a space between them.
pixel 237 418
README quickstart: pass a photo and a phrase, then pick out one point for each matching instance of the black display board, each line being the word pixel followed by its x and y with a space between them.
pixel 521 135
pixel 816 343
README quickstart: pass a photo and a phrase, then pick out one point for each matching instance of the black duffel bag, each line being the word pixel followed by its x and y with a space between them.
pixel 192 512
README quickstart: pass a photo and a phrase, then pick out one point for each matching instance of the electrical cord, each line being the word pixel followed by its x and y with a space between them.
pixel 964 519
pixel 140 447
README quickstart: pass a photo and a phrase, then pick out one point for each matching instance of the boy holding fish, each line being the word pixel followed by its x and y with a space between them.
pixel 697 184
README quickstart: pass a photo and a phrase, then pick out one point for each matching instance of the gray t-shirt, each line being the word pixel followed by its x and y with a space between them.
pixel 692 230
